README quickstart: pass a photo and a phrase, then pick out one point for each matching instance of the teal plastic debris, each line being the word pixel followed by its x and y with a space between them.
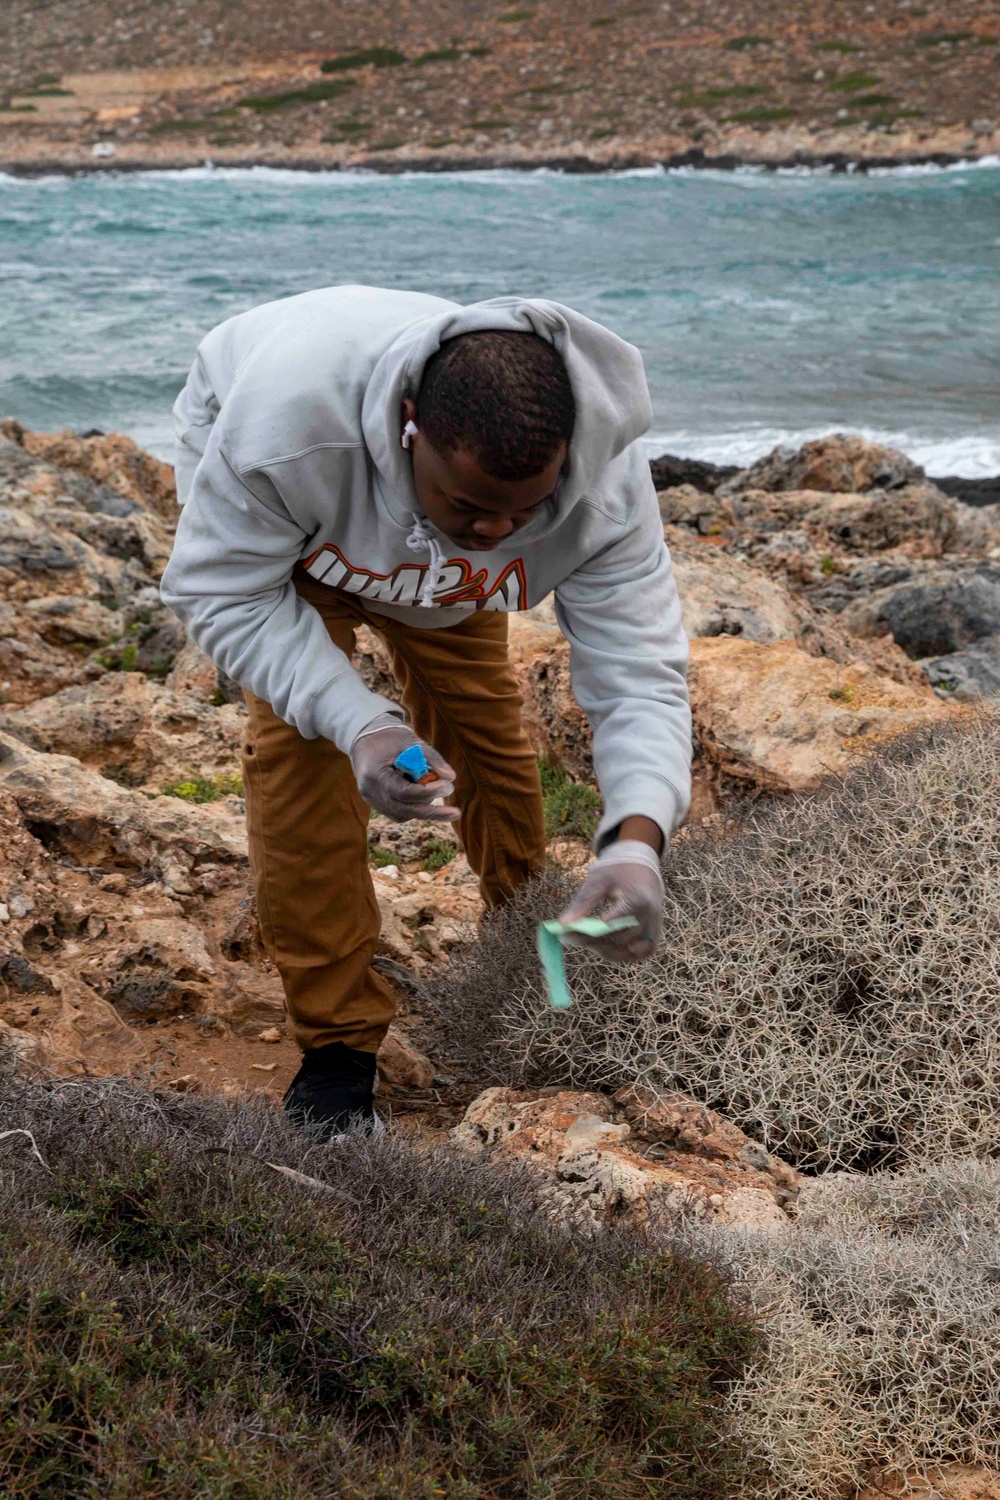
pixel 551 935
pixel 413 763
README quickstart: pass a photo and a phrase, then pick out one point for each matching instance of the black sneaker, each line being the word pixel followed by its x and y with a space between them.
pixel 332 1094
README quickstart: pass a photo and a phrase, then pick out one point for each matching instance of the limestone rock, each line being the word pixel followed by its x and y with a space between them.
pixel 85 531
pixel 950 1482
pixel 933 613
pixel 134 730
pixel 774 718
pixel 95 821
pixel 839 464
pixel 721 595
pixel 401 1064
pixel 108 458
pixel 193 672
pixel 555 723
pixel 597 1169
pixel 88 1035
pixel 968 674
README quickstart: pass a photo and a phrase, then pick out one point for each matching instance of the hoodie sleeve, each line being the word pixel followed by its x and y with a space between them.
pixel 229 580
pixel 621 614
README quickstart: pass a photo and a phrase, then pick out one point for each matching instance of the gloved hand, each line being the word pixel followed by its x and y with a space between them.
pixel 624 881
pixel 389 791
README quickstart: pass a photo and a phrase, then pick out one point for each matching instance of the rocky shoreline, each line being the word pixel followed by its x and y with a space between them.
pixel 857 153
pixel 451 86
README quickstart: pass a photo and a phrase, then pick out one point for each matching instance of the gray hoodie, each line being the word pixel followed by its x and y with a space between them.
pixel 289 452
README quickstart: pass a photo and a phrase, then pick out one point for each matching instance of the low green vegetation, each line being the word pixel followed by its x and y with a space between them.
pixel 382 858
pixel 206 788
pixel 761 114
pixel 947 38
pixel 364 57
pixel 312 93
pixel 716 96
pixel 572 808
pixel 838 47
pixel 178 1319
pixel 438 854
pixel 852 83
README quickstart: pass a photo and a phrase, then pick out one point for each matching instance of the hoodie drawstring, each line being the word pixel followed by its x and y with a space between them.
pixel 419 539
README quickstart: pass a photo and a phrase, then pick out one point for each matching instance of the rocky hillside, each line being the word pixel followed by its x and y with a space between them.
pixel 147 82
pixel 836 599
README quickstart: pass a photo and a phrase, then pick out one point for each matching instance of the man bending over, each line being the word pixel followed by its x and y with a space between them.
pixel 355 456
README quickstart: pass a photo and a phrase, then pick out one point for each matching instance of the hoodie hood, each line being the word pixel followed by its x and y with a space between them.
pixel 606 374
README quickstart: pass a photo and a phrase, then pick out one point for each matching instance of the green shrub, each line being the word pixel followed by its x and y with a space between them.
pixel 449 54
pixel 382 858
pixel 364 57
pixel 936 38
pixel 852 83
pixel 438 853
pixel 572 808
pixel 312 93
pixel 206 788
pixel 178 1319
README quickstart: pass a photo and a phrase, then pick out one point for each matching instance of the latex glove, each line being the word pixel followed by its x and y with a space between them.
pixel 624 881
pixel 389 791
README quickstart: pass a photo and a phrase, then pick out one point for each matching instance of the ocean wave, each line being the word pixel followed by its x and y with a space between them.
pixel 963 456
pixel 350 175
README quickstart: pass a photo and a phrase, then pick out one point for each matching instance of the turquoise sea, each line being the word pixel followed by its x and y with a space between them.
pixel 768 306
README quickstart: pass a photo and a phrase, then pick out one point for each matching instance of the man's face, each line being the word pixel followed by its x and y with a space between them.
pixel 472 508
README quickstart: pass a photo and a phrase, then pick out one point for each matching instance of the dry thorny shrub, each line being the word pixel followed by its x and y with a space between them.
pixel 179 1318
pixel 829 976
pixel 882 1313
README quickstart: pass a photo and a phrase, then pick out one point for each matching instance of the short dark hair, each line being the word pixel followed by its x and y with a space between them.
pixel 505 397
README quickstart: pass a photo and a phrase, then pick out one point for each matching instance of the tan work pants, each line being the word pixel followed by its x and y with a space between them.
pixel 308 826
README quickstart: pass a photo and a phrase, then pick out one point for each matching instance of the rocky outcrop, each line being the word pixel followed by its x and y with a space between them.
pixel 133 730
pixel 86 532
pixel 842 464
pixel 773 718
pixel 854 530
pixel 632 1157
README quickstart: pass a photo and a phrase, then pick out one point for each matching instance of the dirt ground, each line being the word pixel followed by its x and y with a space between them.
pixel 146 82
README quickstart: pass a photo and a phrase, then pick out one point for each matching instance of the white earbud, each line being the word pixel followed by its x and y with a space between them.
pixel 409 431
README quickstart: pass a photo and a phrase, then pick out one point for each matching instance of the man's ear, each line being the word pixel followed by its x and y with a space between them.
pixel 409 410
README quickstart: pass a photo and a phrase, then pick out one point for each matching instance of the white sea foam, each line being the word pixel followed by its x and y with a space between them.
pixel 966 456
pixel 746 171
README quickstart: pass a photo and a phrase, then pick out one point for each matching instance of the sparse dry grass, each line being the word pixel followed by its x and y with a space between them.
pixel 882 1316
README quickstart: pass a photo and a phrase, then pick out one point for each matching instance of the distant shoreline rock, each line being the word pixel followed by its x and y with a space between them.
pixel 669 470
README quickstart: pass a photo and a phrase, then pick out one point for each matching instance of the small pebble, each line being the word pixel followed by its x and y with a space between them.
pixel 272 1034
